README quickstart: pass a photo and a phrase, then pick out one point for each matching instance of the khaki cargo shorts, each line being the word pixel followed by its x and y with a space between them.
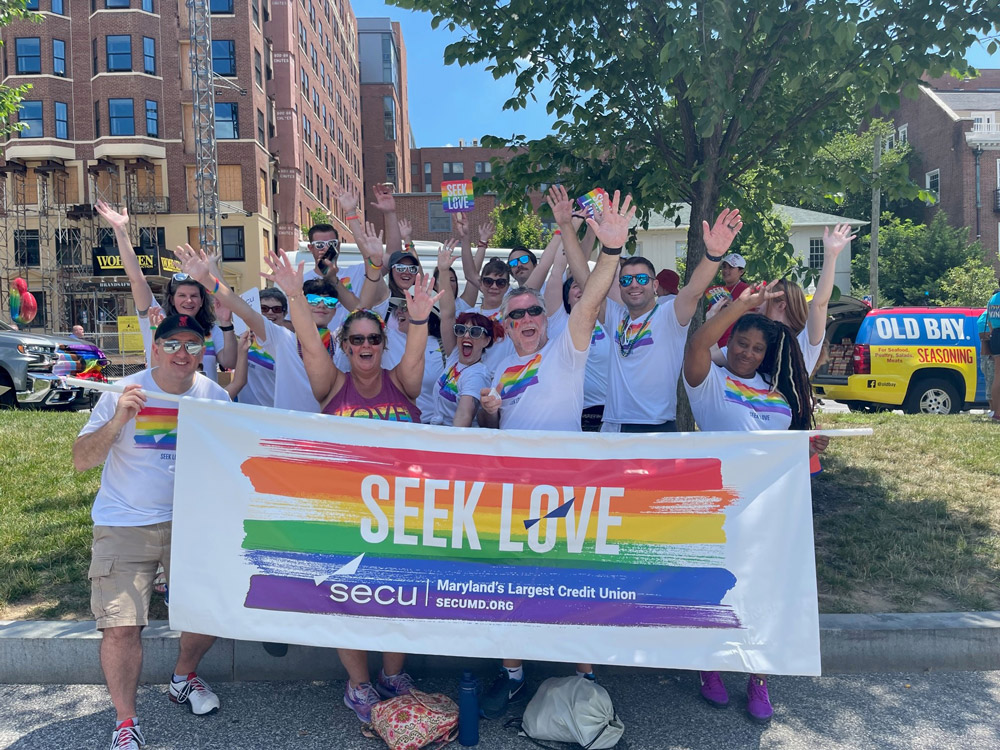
pixel 123 562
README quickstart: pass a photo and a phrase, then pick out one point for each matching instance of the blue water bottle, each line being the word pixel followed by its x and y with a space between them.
pixel 468 710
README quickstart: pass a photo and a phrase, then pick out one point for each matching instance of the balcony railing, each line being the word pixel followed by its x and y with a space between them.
pixel 996 201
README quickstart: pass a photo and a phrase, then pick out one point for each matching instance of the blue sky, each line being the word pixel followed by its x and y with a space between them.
pixel 448 102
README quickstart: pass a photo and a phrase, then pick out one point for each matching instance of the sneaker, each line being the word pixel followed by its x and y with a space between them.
pixel 589 676
pixel 127 737
pixel 758 702
pixel 196 693
pixel 391 687
pixel 712 689
pixel 501 694
pixel 361 699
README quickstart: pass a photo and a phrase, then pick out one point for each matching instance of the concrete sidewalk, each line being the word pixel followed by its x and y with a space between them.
pixel 34 652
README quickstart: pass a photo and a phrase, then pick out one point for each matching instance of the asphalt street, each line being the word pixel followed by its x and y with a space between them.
pixel 660 709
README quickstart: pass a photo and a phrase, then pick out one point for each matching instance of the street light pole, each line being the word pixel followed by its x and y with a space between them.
pixel 876 211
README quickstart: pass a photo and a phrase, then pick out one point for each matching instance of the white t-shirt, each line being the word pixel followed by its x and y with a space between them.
pixel 433 365
pixel 725 402
pixel 455 381
pixel 137 481
pixel 645 362
pixel 259 389
pixel 461 306
pixel 595 382
pixel 351 278
pixel 810 352
pixel 502 349
pixel 291 383
pixel 215 342
pixel 544 390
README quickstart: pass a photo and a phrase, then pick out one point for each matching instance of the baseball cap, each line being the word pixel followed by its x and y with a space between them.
pixel 735 260
pixel 175 324
pixel 668 280
pixel 397 256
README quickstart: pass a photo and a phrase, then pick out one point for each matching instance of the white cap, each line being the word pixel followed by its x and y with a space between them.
pixel 735 260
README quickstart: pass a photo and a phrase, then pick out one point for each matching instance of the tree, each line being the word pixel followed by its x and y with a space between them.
pixel 516 226
pixel 690 101
pixel 317 215
pixel 968 285
pixel 10 98
pixel 915 260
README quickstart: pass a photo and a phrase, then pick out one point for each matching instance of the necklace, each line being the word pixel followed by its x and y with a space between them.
pixel 625 343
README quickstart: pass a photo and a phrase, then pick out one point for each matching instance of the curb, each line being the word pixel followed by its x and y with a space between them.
pixel 35 651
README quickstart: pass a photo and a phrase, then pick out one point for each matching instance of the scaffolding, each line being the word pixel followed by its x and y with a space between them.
pixel 13 228
pixel 142 202
pixel 206 160
pixel 51 208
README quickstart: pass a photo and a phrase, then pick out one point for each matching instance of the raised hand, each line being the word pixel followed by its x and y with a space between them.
pixel 446 256
pixel 283 273
pixel 405 230
pixel 611 226
pixel 719 237
pixel 384 200
pixel 561 205
pixel 246 339
pixel 130 403
pixel 222 313
pixel 490 401
pixel 156 316
pixel 834 242
pixel 195 264
pixel 754 296
pixel 419 301
pixel 115 219
pixel 486 232
pixel 460 223
pixel 348 200
pixel 370 244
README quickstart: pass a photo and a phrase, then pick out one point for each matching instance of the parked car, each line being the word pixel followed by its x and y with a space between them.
pixel 922 359
pixel 31 365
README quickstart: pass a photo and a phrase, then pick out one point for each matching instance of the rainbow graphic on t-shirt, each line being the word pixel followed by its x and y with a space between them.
pixel 325 336
pixel 759 400
pixel 448 384
pixel 516 380
pixel 257 357
pixel 597 335
pixel 156 429
pixel 385 412
pixel 637 334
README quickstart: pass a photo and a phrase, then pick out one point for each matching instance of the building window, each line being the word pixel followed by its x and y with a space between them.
pixel 258 68
pixel 93 49
pixel 255 12
pixel 97 119
pixel 389 118
pixel 224 57
pixel 152 119
pixel 26 248
pixel 31 5
pixel 116 3
pixel 484 167
pixel 69 251
pixel 147 5
pixel 815 252
pixel 119 52
pixel 30 117
pixel 29 55
pixel 390 168
pixel 457 170
pixel 121 117
pixel 227 122
pixel 62 120
pixel 437 219
pixel 260 128
pixel 232 244
pixel 149 55
pixel 932 181
pixel 904 136
pixel 57 7
pixel 59 57
pixel 221 6
pixel 388 59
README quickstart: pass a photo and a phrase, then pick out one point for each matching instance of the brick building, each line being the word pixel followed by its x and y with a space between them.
pixel 953 128
pixel 109 116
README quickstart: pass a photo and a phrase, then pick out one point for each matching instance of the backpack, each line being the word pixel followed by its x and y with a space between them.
pixel 572 709
pixel 417 720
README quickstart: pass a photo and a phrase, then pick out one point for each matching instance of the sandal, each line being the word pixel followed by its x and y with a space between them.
pixel 160 581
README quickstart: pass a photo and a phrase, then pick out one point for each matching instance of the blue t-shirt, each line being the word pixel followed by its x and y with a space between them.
pixel 993 310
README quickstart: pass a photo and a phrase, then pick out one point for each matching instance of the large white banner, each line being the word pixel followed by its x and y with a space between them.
pixel 691 551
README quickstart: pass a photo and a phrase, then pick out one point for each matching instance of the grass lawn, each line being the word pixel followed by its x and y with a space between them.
pixel 906 520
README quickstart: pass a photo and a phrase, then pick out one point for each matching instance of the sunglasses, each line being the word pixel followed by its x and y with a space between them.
pixel 522 261
pixel 181 276
pixel 357 339
pixel 404 268
pixel 172 346
pixel 498 283
pixel 641 278
pixel 319 299
pixel 476 332
pixel 325 244
pixel 272 308
pixel 534 311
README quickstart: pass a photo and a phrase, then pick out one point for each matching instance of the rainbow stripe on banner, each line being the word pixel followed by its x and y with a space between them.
pixel 343 529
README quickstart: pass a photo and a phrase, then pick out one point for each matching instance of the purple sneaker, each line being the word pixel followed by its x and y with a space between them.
pixel 758 702
pixel 361 699
pixel 391 687
pixel 712 689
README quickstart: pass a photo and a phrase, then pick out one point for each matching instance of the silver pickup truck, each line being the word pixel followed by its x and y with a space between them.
pixel 31 365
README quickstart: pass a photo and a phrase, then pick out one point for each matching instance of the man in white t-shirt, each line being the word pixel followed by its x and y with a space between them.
pixel 134 434
pixel 540 385
pixel 324 244
pixel 649 335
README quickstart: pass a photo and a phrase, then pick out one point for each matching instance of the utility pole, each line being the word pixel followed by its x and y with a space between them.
pixel 876 211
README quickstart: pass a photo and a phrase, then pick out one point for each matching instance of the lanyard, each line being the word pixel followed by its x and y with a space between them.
pixel 626 345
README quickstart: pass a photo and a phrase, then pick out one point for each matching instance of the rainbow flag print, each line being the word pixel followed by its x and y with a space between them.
pixel 593 201
pixel 761 401
pixel 597 335
pixel 209 346
pixel 156 429
pixel 448 383
pixel 257 357
pixel 342 529
pixel 516 380
pixel 716 294
pixel 634 334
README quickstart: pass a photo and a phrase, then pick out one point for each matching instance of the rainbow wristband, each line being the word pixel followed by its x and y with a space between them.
pixel 216 289
pixel 352 218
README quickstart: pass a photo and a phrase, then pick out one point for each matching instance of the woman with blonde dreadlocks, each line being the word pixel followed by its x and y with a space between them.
pixel 764 385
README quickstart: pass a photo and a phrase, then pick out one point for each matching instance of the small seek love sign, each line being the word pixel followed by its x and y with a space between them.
pixel 457 196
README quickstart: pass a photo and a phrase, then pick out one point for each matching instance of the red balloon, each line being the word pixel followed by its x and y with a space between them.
pixel 29 307
pixel 21 285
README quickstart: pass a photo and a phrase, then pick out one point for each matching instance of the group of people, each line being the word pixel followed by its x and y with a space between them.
pixel 579 337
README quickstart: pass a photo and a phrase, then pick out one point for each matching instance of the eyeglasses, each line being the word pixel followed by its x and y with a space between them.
pixel 404 268
pixel 325 244
pixel 534 311
pixel 172 346
pixel 476 332
pixel 272 308
pixel 181 276
pixel 319 299
pixel 641 278
pixel 357 339
pixel 498 283
pixel 522 261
